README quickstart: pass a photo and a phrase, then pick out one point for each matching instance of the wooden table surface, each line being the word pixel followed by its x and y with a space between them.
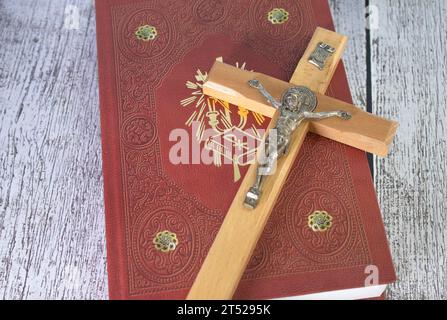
pixel 52 242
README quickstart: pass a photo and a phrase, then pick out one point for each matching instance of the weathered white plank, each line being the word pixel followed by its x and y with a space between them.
pixel 349 19
pixel 51 206
pixel 408 84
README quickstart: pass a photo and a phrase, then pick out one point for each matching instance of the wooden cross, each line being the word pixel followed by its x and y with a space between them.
pixel 242 227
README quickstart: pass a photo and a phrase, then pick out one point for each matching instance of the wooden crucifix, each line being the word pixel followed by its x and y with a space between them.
pixel 304 95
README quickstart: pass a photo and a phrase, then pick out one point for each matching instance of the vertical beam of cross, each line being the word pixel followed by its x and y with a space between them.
pixel 231 251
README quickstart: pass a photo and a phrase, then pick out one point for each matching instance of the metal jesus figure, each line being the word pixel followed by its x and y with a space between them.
pixel 297 105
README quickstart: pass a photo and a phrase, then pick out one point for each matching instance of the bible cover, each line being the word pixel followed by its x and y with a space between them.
pixel 153 58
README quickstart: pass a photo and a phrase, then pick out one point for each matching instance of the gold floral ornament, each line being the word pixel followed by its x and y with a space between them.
pixel 165 241
pixel 278 16
pixel 146 33
pixel 320 221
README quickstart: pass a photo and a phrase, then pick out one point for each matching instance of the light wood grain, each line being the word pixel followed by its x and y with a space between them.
pixel 319 81
pixel 364 131
pixel 51 211
pixel 228 257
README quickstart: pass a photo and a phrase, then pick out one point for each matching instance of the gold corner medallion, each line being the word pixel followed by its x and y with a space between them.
pixel 320 221
pixel 146 33
pixel 165 241
pixel 278 16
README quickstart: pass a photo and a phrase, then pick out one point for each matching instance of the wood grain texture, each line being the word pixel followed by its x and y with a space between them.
pixel 349 19
pixel 409 74
pixel 320 81
pixel 51 206
pixel 228 257
pixel 364 131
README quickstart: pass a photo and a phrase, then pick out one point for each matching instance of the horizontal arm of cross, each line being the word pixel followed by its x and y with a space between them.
pixel 364 131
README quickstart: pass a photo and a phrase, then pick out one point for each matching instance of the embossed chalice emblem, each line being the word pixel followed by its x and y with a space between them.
pixel 298 104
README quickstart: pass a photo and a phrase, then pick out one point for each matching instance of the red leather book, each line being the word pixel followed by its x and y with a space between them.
pixel 161 218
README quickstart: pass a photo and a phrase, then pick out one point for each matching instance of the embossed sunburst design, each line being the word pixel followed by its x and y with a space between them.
pixel 146 33
pixel 278 16
pixel 165 241
pixel 320 221
pixel 211 113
